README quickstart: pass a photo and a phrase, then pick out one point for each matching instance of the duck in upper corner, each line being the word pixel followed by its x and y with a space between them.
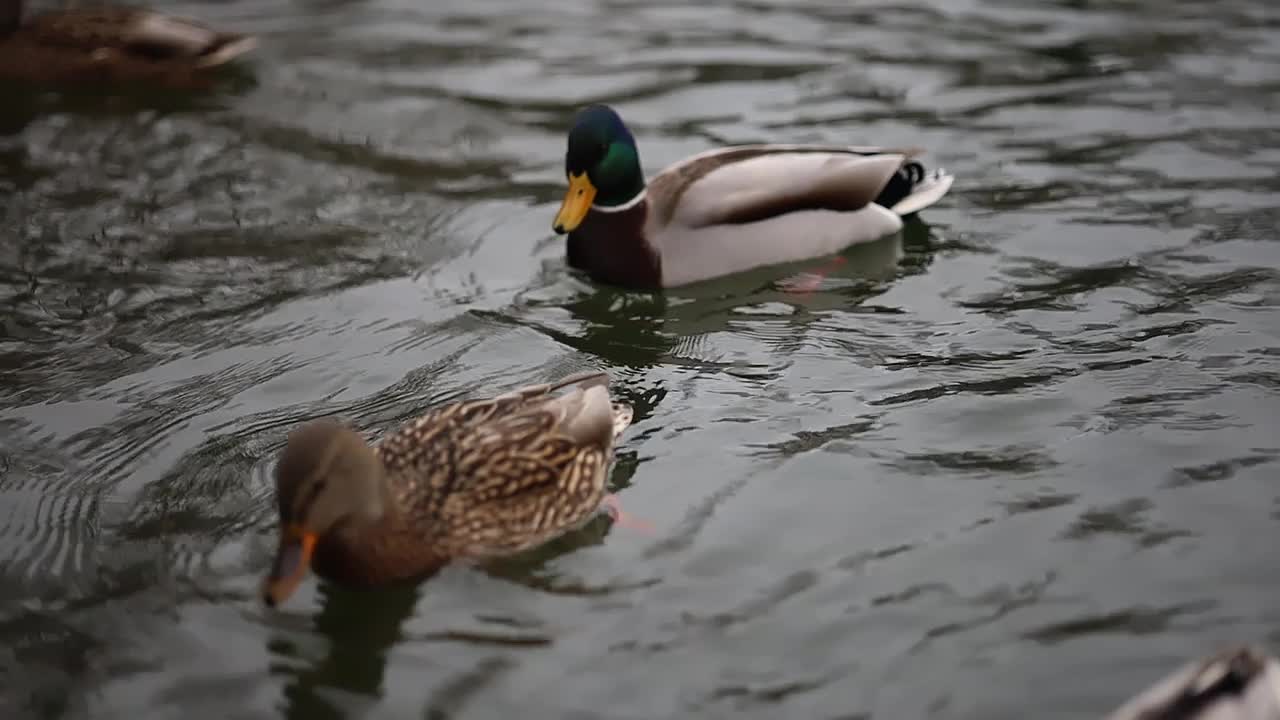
pixel 729 209
pixel 105 44
pixel 1238 683
pixel 476 479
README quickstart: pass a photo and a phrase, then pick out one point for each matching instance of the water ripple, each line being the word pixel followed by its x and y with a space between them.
pixel 980 448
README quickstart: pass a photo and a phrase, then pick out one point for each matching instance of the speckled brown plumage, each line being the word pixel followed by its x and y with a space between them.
pixel 472 479
pixel 112 45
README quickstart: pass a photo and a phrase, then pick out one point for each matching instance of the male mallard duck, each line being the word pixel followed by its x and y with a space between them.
pixel 729 209
pixel 1241 683
pixel 111 44
pixel 470 480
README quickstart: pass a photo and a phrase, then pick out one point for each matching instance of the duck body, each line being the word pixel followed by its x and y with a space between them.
pixel 483 478
pixel 111 45
pixel 729 209
pixel 472 480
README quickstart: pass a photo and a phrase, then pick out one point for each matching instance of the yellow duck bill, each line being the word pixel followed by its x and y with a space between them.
pixel 576 205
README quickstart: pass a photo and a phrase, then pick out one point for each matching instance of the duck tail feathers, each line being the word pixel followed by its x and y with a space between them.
pixel 622 413
pixel 228 48
pixel 925 189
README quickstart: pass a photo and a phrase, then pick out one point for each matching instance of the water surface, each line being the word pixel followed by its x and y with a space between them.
pixel 1020 460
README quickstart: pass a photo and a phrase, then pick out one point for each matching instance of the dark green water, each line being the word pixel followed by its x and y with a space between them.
pixel 1016 463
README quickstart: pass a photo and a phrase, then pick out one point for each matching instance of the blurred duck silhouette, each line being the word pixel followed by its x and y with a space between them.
pixel 102 45
pixel 1240 683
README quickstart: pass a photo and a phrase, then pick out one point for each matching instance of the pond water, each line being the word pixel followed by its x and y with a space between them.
pixel 1019 461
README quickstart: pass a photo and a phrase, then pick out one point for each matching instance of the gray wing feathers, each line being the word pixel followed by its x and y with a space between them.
pixel 778 183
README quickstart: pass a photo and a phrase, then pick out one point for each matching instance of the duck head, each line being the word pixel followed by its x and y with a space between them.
pixel 328 477
pixel 602 165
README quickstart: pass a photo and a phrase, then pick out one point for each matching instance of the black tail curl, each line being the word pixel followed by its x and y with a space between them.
pixel 901 183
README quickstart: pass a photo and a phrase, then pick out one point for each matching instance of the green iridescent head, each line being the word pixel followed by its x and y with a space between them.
pixel 602 164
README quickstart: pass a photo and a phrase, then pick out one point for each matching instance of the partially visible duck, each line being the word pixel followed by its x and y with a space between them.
pixel 729 209
pixel 475 479
pixel 105 44
pixel 1241 683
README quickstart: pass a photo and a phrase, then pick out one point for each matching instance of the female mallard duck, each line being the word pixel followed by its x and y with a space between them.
pixel 470 480
pixel 111 44
pixel 726 210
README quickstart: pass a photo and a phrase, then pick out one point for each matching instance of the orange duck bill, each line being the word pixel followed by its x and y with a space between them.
pixel 576 204
pixel 293 560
